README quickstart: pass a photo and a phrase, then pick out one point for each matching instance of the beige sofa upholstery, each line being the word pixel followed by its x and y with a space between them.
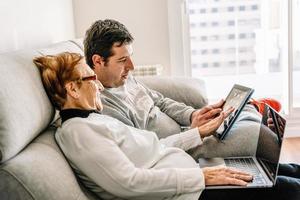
pixel 31 164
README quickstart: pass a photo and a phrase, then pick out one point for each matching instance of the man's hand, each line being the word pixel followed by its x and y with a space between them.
pixel 225 176
pixel 212 125
pixel 205 114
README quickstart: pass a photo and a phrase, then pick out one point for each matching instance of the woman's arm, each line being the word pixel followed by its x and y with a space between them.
pixel 101 159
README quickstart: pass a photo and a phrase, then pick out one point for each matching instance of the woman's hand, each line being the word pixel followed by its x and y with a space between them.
pixel 225 176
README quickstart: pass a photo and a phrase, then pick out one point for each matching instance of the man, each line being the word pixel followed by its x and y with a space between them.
pixel 108 50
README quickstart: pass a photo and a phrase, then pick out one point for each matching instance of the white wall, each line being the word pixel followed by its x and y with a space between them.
pixel 147 20
pixel 34 23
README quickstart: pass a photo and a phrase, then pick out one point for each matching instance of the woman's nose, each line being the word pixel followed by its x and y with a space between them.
pixel 99 85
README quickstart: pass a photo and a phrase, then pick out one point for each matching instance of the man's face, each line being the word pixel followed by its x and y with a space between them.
pixel 115 71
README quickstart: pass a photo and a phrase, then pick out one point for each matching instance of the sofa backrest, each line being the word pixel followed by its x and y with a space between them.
pixel 25 109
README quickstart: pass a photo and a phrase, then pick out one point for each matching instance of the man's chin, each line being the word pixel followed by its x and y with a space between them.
pixel 122 82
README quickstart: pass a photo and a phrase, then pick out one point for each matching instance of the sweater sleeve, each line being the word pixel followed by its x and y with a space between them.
pixel 101 159
pixel 180 112
pixel 184 140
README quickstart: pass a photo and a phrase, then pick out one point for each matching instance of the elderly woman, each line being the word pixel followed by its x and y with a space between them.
pixel 114 160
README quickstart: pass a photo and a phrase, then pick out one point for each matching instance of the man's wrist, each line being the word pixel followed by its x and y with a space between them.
pixel 192 116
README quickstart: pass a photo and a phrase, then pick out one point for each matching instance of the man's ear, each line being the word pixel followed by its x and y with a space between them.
pixel 97 61
pixel 72 90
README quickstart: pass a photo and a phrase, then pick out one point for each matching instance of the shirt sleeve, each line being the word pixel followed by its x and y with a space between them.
pixel 101 159
pixel 180 112
pixel 184 140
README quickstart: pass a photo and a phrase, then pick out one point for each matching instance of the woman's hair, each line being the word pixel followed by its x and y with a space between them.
pixel 56 71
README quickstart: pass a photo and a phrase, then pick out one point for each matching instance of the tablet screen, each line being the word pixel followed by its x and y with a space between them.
pixel 235 99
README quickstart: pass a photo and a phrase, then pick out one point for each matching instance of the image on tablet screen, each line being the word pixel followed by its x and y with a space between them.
pixel 234 99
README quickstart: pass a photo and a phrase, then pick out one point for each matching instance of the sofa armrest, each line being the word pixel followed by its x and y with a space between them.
pixel 190 91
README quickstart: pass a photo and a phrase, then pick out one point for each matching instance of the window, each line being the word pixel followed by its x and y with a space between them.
pixel 215 51
pixel 243 62
pixel 192 11
pixel 193 25
pixel 254 7
pixel 231 23
pixel 194 52
pixel 242 8
pixel 231 63
pixel 230 9
pixel 204 51
pixel 216 64
pixel 202 11
pixel 195 65
pixel 296 52
pixel 203 38
pixel 214 10
pixel 202 24
pixel 205 65
pixel 242 35
pixel 215 24
pixel 253 49
pixel 231 36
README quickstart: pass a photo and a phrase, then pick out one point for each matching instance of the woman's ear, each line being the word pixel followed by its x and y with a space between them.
pixel 72 90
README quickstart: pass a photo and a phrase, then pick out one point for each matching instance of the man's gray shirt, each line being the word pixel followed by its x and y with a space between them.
pixel 136 105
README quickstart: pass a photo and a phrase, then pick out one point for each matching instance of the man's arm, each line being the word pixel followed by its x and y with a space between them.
pixel 179 112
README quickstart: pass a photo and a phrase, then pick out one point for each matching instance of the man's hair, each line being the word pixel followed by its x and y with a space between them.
pixel 56 71
pixel 100 38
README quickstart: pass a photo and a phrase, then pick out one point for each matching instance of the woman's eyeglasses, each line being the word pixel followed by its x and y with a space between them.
pixel 95 79
pixel 90 78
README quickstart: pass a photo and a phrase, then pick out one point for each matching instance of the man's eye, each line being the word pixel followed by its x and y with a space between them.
pixel 122 61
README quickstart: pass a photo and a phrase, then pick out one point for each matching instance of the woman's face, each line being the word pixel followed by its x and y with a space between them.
pixel 89 91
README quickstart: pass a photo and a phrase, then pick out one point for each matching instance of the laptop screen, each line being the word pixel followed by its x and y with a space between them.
pixel 270 140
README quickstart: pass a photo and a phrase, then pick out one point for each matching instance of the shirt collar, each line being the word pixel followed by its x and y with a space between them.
pixel 71 113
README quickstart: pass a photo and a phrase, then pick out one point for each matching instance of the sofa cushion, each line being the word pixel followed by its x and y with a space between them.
pixel 78 42
pixel 25 109
pixel 65 46
pixel 41 172
pixel 190 91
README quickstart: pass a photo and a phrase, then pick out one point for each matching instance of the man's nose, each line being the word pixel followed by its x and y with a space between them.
pixel 129 64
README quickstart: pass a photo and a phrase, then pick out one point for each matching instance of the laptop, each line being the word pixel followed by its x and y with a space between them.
pixel 237 98
pixel 264 165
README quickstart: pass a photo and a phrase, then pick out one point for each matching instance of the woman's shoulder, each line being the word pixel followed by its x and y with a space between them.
pixel 98 123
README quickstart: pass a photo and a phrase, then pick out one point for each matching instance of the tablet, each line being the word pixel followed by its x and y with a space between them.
pixel 237 98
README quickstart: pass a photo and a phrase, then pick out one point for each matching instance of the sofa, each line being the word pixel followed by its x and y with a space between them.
pixel 31 164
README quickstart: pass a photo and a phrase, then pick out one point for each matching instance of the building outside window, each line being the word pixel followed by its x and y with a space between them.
pixel 253 40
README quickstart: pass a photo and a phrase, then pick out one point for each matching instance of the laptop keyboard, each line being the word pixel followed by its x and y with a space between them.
pixel 246 165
